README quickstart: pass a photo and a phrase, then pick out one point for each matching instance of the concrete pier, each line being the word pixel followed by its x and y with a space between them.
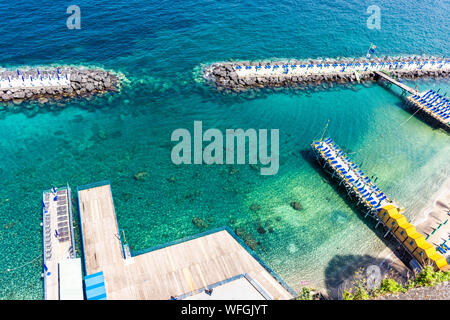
pixel 53 83
pixel 62 268
pixel 238 76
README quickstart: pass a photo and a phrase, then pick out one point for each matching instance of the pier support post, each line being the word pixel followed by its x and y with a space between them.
pixel 379 220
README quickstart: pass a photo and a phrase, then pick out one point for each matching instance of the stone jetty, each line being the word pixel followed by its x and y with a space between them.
pixel 242 75
pixel 53 83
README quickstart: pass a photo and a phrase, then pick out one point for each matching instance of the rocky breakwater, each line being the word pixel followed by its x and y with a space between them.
pixel 242 75
pixel 54 84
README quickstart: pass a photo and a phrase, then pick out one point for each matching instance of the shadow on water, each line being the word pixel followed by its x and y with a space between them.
pixel 340 272
pixel 388 241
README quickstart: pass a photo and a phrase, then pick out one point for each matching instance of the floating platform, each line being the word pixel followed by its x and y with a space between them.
pixel 375 203
pixel 62 280
pixel 178 269
pixel 433 105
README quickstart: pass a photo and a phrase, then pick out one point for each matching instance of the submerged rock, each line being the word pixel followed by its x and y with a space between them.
pixel 102 135
pixel 171 179
pixel 247 238
pixel 255 207
pixel 261 230
pixel 199 223
pixel 296 205
pixel 141 176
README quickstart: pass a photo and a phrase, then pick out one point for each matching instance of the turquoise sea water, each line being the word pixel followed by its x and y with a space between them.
pixel 159 46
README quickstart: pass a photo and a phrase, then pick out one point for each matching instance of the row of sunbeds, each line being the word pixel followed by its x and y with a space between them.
pixel 367 190
pixel 434 104
pixel 349 64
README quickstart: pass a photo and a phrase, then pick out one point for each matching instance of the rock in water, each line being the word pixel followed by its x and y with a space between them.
pixel 247 238
pixel 199 223
pixel 261 230
pixel 141 176
pixel 296 205
pixel 255 207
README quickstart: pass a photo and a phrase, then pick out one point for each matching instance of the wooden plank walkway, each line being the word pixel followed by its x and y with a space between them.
pixel 171 271
pixel 397 83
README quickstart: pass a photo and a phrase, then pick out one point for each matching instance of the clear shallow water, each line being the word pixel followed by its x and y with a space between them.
pixel 159 48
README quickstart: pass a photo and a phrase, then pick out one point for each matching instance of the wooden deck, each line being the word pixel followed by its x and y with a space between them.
pixel 171 271
pixel 397 83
